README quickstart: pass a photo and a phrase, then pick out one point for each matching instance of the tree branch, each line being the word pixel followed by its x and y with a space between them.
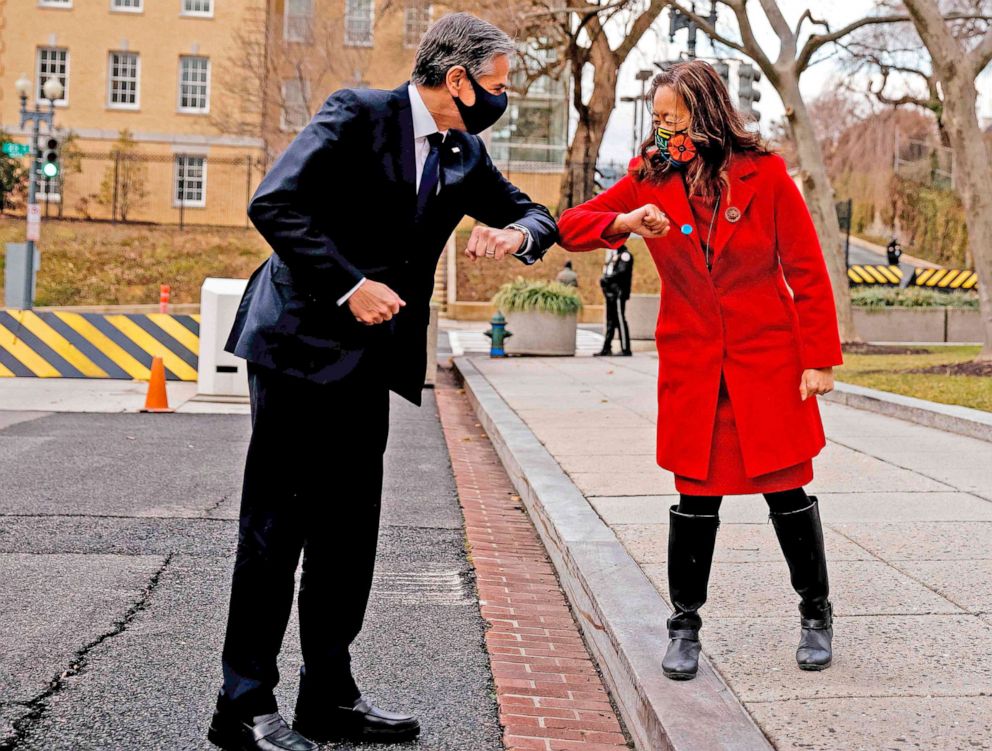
pixel 816 41
pixel 707 28
pixel 641 25
pixel 787 50
pixel 750 41
pixel 980 56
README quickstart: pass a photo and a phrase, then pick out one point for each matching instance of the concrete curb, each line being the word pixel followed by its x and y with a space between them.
pixel 621 614
pixel 973 423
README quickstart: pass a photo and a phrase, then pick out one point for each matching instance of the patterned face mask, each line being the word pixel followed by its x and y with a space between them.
pixel 675 146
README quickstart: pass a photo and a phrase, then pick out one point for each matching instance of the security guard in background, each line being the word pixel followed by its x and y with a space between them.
pixel 617 276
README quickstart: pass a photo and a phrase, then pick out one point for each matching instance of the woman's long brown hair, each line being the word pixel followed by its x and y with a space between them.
pixel 717 128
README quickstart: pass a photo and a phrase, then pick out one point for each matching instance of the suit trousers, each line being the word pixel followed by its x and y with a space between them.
pixel 616 322
pixel 312 484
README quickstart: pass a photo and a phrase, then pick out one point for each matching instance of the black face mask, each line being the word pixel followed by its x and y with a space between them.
pixel 488 108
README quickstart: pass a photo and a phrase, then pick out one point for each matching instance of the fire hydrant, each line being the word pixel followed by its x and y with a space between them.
pixel 498 334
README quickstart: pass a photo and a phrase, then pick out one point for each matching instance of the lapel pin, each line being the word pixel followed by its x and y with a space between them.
pixel 732 214
pixel 455 150
pixel 686 229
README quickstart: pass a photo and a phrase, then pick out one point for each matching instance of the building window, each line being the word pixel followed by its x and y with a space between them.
pixel 295 113
pixel 53 62
pixel 358 23
pixel 190 183
pixel 129 6
pixel 125 69
pixel 54 3
pixel 417 17
pixel 194 84
pixel 197 8
pixel 298 20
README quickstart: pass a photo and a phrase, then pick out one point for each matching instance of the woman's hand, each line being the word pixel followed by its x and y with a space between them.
pixel 647 221
pixel 816 381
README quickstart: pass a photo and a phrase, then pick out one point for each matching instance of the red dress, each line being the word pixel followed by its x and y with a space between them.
pixel 726 474
pixel 732 341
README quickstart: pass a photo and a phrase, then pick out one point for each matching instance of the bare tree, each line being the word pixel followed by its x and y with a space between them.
pixel 122 189
pixel 898 73
pixel 959 51
pixel 279 71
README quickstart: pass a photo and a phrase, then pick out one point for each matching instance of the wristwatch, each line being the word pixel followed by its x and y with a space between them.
pixel 527 238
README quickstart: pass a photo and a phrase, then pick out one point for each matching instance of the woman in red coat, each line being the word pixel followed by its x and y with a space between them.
pixel 741 358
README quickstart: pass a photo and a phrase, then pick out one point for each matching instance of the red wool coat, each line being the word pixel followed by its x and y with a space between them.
pixel 740 319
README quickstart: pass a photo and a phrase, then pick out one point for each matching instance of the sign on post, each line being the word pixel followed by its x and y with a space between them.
pixel 16 149
pixel 34 222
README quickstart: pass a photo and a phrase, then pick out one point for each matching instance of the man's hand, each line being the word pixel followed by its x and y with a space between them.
pixel 816 381
pixel 374 303
pixel 647 221
pixel 488 242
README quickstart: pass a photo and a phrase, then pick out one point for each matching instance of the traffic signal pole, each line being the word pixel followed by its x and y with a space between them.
pixel 36 117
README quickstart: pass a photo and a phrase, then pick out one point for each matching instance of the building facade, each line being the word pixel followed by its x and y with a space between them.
pixel 174 108
pixel 145 69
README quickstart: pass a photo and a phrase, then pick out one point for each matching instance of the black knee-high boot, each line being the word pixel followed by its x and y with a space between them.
pixel 691 539
pixel 801 536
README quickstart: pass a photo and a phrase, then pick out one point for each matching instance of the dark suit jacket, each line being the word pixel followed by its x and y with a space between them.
pixel 340 204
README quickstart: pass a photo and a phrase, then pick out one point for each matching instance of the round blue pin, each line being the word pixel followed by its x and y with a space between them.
pixel 686 229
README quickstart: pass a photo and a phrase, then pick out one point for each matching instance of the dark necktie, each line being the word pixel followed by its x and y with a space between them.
pixel 431 175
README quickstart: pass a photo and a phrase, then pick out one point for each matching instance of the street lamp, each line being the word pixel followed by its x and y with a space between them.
pixel 52 89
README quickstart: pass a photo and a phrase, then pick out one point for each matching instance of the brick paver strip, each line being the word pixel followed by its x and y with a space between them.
pixel 551 697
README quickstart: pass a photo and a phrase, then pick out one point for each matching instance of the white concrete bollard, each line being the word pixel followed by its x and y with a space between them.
pixel 220 373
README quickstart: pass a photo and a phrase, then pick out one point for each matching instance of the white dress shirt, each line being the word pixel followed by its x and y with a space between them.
pixel 423 126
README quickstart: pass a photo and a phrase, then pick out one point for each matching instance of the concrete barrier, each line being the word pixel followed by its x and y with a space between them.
pixel 964 325
pixel 918 324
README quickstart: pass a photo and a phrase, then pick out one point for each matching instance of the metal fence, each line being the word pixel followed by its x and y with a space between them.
pixel 186 188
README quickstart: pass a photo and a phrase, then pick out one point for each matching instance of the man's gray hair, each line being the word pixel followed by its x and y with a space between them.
pixel 458 39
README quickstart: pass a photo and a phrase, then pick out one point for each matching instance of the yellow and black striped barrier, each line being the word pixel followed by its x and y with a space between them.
pixel 946 278
pixel 874 274
pixel 97 345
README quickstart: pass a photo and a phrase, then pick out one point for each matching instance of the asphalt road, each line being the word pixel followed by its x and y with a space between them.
pixel 117 537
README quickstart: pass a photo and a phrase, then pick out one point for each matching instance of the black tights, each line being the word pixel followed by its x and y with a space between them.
pixel 709 505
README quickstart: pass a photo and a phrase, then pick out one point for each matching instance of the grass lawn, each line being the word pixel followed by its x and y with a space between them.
pixel 96 263
pixel 890 372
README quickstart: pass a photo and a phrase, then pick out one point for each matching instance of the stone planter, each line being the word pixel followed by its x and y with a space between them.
pixel 642 316
pixel 538 333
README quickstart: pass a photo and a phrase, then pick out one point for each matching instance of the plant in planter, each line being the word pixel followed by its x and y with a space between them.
pixel 541 315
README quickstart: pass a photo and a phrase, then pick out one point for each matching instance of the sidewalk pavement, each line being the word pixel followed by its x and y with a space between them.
pixel 907 511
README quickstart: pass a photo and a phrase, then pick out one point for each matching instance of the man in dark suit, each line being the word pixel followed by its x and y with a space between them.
pixel 357 211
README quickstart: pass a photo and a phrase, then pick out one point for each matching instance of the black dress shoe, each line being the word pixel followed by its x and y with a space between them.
pixel 267 732
pixel 361 722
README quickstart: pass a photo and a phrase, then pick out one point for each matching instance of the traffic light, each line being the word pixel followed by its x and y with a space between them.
pixel 51 165
pixel 723 70
pixel 747 90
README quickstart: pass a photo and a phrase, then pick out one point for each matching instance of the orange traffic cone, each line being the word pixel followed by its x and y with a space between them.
pixel 157 399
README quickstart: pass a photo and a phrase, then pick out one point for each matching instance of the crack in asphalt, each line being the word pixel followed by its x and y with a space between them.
pixel 78 663
pixel 208 511
pixel 131 517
